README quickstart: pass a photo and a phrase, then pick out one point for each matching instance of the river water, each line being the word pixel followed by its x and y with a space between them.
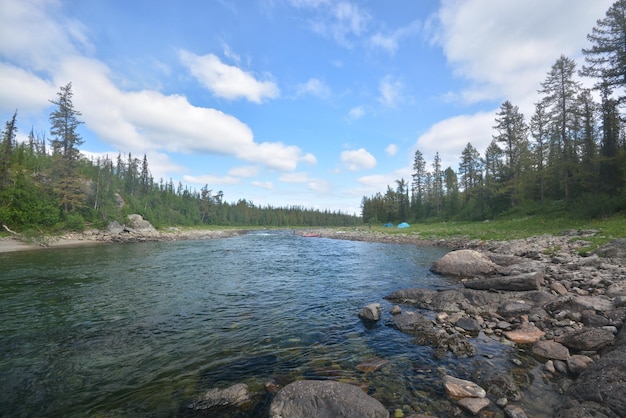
pixel 131 330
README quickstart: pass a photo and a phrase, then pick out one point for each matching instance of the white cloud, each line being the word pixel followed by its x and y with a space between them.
pixel 358 159
pixel 356 112
pixel 342 21
pixel 211 179
pixel 309 159
pixel 244 171
pixel 23 90
pixel 390 91
pixel 319 186
pixel 506 48
pixel 391 149
pixel 377 183
pixel 300 177
pixel 450 136
pixel 142 121
pixel 314 87
pixel 227 81
pixel 263 184
pixel 391 41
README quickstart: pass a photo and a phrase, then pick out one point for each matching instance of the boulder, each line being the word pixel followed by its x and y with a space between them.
pixel 325 399
pixel 235 395
pixel 578 363
pixel 526 334
pixel 474 405
pixel 140 225
pixel 464 263
pixel 371 312
pixel 550 350
pixel 613 249
pixel 587 339
pixel 524 281
pixel 459 388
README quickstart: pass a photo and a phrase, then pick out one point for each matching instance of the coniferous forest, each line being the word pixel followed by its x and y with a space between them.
pixel 48 185
pixel 568 157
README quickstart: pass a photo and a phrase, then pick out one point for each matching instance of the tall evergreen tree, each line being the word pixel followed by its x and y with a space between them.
pixel 512 132
pixel 560 98
pixel 418 191
pixel 606 59
pixel 540 131
pixel 470 169
pixel 65 141
pixel 6 149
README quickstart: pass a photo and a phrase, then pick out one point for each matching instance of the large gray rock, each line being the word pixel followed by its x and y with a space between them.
pixel 587 339
pixel 140 225
pixel 550 350
pixel 371 312
pixel 325 399
pixel 464 263
pixel 524 281
pixel 613 249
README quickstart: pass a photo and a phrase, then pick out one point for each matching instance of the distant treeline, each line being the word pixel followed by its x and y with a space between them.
pixel 49 185
pixel 569 158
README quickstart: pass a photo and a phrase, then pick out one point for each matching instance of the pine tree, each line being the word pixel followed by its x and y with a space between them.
pixel 470 171
pixel 606 59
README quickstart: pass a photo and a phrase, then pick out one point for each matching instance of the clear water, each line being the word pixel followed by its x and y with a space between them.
pixel 143 329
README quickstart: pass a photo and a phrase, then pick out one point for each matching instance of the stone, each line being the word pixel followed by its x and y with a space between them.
pixel 613 249
pixel 550 350
pixel 525 281
pixel 235 395
pixel 395 310
pixel 468 324
pixel 371 364
pixel 527 334
pixel 140 225
pixel 473 405
pixel 324 399
pixel 549 366
pixel 514 411
pixel 559 288
pixel 459 388
pixel 464 263
pixel 510 309
pixel 371 312
pixel 578 363
pixel 587 339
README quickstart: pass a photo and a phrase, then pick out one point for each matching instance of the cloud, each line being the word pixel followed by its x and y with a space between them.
pixel 377 183
pixel 23 90
pixel 211 179
pixel 358 159
pixel 244 171
pixel 342 21
pixel 391 149
pixel 506 48
pixel 227 81
pixel 314 87
pixel 294 177
pixel 263 184
pixel 391 41
pixel 139 121
pixel 356 112
pixel 450 136
pixel 390 91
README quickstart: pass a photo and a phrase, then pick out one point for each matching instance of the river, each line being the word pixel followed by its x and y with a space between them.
pixel 142 329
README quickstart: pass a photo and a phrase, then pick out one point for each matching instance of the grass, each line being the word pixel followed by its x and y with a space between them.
pixel 517 228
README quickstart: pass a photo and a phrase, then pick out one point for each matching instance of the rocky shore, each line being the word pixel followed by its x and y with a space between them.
pixel 542 294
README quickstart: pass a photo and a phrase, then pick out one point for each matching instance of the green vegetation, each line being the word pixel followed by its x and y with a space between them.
pixel 48 186
pixel 518 228
pixel 569 159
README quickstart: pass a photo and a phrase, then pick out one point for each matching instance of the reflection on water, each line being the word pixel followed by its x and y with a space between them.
pixel 141 329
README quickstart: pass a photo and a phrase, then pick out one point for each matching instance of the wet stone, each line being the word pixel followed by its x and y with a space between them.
pixel 459 388
pixel 550 350
pixel 473 405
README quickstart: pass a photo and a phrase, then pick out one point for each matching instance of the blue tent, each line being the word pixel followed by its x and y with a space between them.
pixel 403 225
pixel 388 225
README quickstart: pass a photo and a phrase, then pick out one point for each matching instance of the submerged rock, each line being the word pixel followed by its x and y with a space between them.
pixel 325 399
pixel 235 395
pixel 371 312
pixel 459 388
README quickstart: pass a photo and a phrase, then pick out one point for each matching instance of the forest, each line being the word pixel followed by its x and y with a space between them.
pixel 569 158
pixel 48 186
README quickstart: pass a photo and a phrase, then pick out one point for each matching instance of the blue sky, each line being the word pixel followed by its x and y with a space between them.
pixel 284 102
